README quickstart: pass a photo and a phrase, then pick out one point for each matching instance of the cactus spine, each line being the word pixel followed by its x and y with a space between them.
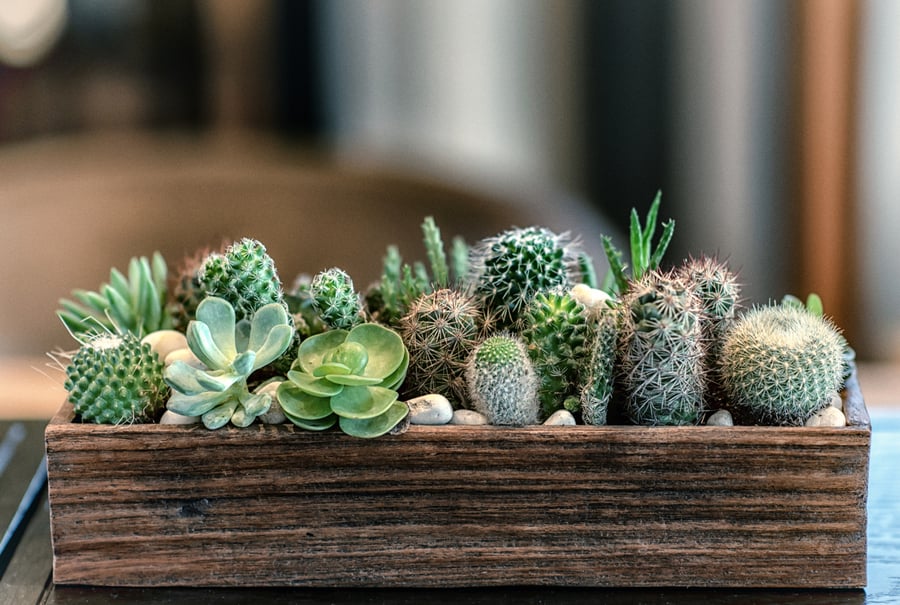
pixel 599 375
pixel 781 364
pixel 502 383
pixel 336 300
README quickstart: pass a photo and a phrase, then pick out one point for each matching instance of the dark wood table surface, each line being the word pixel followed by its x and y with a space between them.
pixel 26 556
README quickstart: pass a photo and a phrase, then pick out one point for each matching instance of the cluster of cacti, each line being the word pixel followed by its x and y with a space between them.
pixel 514 327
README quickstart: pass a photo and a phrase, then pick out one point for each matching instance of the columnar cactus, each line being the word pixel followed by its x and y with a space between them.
pixel 781 364
pixel 502 383
pixel 114 379
pixel 335 299
pixel 599 375
pixel 440 331
pixel 661 352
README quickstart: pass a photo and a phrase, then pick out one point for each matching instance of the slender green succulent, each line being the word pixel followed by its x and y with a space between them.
pixel 231 350
pixel 643 256
pixel 440 331
pixel 136 303
pixel 555 331
pixel 335 299
pixel 599 375
pixel 508 269
pixel 502 383
pixel 347 378
pixel 661 352
pixel 782 363
pixel 114 379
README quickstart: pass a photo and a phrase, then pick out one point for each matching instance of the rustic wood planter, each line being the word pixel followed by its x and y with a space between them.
pixel 150 505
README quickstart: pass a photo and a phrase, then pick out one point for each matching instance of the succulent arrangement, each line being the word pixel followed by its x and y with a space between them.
pixel 513 328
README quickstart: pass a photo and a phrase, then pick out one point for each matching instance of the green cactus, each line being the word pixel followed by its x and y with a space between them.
pixel 307 320
pixel 781 364
pixel 661 352
pixel 508 269
pixel 555 331
pixel 187 292
pixel 335 299
pixel 440 331
pixel 502 383
pixel 136 303
pixel 231 350
pixel 599 375
pixel 114 379
pixel 349 378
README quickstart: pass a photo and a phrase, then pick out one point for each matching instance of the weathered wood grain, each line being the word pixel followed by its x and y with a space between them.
pixel 460 506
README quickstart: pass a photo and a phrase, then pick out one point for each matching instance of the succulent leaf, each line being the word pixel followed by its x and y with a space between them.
pixel 362 402
pixel 376 426
pixel 297 402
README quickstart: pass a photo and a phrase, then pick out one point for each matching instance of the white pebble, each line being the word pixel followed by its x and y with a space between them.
pixel 173 418
pixel 163 342
pixel 720 418
pixel 592 298
pixel 430 409
pixel 560 418
pixel 275 415
pixel 185 355
pixel 837 402
pixel 468 417
pixel 829 416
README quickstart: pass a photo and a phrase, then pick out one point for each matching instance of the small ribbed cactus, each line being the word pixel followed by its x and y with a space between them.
pixel 502 383
pixel 599 375
pixel 335 299
pixel 661 352
pixel 508 269
pixel 781 364
pixel 440 331
pixel 555 329
pixel 114 379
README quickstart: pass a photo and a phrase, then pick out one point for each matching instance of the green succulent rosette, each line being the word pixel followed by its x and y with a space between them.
pixel 349 378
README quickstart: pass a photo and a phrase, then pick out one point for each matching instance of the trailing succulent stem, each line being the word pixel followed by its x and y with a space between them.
pixel 502 383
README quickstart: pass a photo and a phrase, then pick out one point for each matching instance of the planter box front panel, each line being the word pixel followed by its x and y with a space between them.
pixel 151 505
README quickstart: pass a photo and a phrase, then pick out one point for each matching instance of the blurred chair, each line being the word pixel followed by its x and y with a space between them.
pixel 74 207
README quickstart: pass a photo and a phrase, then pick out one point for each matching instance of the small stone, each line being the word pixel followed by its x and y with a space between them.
pixel 275 415
pixel 836 402
pixel 592 298
pixel 560 418
pixel 720 418
pixel 468 417
pixel 185 355
pixel 829 416
pixel 163 342
pixel 173 418
pixel 430 409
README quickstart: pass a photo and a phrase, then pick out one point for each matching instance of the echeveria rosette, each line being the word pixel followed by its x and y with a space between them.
pixel 231 350
pixel 347 378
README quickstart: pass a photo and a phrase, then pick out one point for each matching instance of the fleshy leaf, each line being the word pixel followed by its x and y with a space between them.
pixel 377 426
pixel 201 343
pixel 318 387
pixel 278 341
pixel 216 381
pixel 256 404
pixel 219 416
pixel 244 363
pixel 330 368
pixel 218 315
pixel 394 381
pixel 195 405
pixel 362 402
pixel 351 380
pixel 384 346
pixel 320 424
pixel 301 405
pixel 312 351
pixel 264 320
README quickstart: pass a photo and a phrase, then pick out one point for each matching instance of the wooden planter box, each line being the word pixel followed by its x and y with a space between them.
pixel 150 505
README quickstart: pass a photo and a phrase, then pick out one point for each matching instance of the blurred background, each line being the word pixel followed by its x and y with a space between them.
pixel 770 126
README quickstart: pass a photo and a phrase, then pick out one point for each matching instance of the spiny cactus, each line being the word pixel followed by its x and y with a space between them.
pixel 661 352
pixel 599 375
pixel 440 331
pixel 781 364
pixel 555 330
pixel 508 269
pixel 187 291
pixel 136 303
pixel 335 299
pixel 502 383
pixel 307 320
pixel 114 379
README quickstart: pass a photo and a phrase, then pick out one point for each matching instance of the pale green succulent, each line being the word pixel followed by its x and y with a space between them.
pixel 347 378
pixel 231 350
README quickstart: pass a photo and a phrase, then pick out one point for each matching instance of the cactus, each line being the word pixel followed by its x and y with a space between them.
pixel 440 331
pixel 335 299
pixel 782 363
pixel 231 350
pixel 508 269
pixel 502 383
pixel 136 303
pixel 599 375
pixel 114 379
pixel 307 320
pixel 348 378
pixel 555 331
pixel 188 292
pixel 661 352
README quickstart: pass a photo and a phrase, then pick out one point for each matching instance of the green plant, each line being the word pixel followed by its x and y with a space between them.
pixel 335 299
pixel 782 363
pixel 187 291
pixel 348 378
pixel 307 320
pixel 599 375
pixel 643 257
pixel 661 352
pixel 502 383
pixel 114 379
pixel 231 350
pixel 508 269
pixel 136 303
pixel 440 331
pixel 555 331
